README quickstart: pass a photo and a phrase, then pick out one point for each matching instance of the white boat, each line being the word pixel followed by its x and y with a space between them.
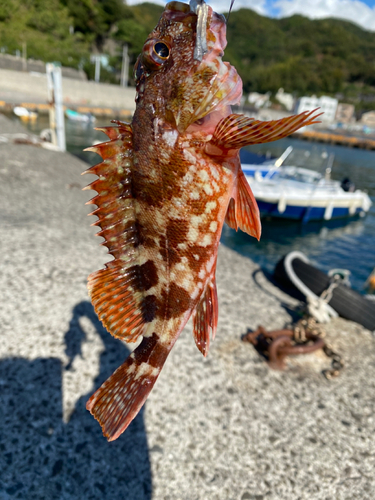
pixel 79 117
pixel 299 193
pixel 24 114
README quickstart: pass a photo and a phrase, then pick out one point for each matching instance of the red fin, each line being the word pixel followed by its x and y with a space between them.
pixel 243 211
pixel 117 402
pixel 237 131
pixel 113 290
pixel 230 217
pixel 105 149
pixel 205 318
pixel 114 132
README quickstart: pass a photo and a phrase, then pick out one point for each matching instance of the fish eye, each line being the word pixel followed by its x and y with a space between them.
pixel 155 54
pixel 161 49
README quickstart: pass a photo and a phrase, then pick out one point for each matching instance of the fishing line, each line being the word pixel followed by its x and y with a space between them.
pixel 230 9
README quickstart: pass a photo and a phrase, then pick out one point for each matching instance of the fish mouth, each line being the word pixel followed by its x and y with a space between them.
pixel 211 84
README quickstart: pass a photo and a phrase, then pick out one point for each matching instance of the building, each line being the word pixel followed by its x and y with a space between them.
pixel 266 114
pixel 259 100
pixel 327 105
pixel 345 113
pixel 368 119
pixel 287 100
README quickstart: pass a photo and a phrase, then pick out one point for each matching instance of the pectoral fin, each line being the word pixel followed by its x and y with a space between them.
pixel 243 211
pixel 237 131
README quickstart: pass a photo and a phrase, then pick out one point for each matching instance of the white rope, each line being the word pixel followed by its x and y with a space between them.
pixel 317 306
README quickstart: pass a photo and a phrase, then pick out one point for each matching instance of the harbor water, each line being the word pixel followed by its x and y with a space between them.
pixel 342 243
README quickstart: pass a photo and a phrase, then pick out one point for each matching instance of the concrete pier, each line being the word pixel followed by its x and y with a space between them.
pixel 338 139
pixel 221 428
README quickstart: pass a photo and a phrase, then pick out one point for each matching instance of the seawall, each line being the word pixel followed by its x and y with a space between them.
pixel 15 63
pixel 30 90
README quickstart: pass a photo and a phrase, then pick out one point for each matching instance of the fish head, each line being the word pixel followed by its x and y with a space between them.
pixel 180 73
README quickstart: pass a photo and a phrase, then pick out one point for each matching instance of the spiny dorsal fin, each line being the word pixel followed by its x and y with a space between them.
pixel 243 211
pixel 116 291
pixel 205 317
pixel 236 131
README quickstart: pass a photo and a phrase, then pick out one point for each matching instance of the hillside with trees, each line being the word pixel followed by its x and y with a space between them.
pixel 303 56
pixel 326 56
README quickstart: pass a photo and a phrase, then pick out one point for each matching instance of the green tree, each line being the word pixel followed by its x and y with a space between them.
pixel 44 25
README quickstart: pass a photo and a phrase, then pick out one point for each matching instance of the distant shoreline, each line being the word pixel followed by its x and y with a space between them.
pixel 342 138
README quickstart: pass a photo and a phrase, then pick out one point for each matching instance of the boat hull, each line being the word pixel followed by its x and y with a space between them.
pixel 302 194
pixel 304 213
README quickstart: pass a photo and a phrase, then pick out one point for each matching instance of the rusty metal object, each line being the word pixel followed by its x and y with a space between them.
pixel 277 344
pixel 304 338
pixel 337 363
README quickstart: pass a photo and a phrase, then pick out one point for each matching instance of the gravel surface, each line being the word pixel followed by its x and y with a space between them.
pixel 225 427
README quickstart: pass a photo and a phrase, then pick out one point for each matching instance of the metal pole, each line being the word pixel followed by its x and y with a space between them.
pixel 97 69
pixel 24 56
pixel 51 101
pixel 60 125
pixel 55 98
pixel 125 67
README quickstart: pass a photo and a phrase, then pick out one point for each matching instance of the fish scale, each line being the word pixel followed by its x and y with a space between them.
pixel 167 183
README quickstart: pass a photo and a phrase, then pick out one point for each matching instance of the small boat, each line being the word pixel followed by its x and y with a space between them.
pixel 25 115
pixel 302 194
pixel 79 117
pixel 327 295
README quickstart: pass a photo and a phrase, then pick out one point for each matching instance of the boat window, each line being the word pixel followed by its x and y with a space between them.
pixel 300 177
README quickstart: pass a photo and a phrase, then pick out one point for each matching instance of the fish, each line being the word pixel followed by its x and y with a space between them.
pixel 167 183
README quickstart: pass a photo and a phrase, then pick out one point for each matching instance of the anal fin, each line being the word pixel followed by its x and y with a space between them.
pixel 205 318
pixel 243 211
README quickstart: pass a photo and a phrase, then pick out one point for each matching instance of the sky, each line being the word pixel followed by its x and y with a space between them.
pixel 361 12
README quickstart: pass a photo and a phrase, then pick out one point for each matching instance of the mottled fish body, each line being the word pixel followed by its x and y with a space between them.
pixel 167 183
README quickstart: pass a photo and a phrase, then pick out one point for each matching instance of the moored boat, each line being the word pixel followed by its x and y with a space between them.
pixel 25 114
pixel 302 194
pixel 79 117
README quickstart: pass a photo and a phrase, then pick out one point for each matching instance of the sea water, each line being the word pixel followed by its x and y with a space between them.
pixel 340 243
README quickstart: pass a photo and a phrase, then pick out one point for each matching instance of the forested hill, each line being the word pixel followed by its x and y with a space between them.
pixel 301 55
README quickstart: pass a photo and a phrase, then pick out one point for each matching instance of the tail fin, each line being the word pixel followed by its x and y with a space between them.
pixel 117 402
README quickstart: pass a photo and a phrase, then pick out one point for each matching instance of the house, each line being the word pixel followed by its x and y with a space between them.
pixel 259 100
pixel 368 119
pixel 327 105
pixel 287 100
pixel 345 113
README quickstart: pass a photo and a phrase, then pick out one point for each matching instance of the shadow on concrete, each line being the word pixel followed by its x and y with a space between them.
pixel 41 457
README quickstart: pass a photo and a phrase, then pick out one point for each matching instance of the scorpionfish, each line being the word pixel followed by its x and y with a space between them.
pixel 168 181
